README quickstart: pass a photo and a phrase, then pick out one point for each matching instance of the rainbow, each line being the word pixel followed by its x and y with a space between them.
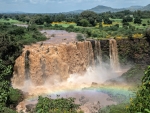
pixel 115 92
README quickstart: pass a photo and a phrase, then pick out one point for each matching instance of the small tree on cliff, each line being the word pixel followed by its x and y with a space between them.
pixel 79 37
pixel 147 33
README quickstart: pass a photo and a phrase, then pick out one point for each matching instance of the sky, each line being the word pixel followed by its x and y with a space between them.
pixel 58 6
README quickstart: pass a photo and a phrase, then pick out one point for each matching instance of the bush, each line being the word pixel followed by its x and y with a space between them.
pixel 59 105
pixel 84 22
pixel 147 33
pixel 141 102
pixel 113 28
pixel 144 24
pixel 15 96
pixel 79 37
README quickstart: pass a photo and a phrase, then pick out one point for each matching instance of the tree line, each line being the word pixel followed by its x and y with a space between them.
pixel 86 18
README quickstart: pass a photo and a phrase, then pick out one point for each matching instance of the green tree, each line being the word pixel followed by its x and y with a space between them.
pixel 79 37
pixel 90 16
pixel 84 22
pixel 107 21
pixel 137 20
pixel 100 25
pixel 141 102
pixel 147 34
pixel 59 105
pixel 127 19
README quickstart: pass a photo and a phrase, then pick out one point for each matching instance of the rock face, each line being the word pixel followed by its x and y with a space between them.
pixel 113 54
pixel 129 51
pixel 39 62
pixel 136 50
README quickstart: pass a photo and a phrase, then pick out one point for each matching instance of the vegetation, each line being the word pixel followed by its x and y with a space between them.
pixel 59 105
pixel 121 24
pixel 124 24
pixel 79 37
pixel 120 108
pixel 147 33
pixel 140 103
pixel 12 39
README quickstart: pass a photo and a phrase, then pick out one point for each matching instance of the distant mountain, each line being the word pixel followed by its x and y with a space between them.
pixel 134 8
pixel 146 8
pixel 75 12
pixel 101 9
pixel 18 12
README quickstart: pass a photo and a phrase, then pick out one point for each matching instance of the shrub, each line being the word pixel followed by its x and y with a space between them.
pixel 59 105
pixel 147 32
pixel 15 96
pixel 84 22
pixel 141 102
pixel 79 37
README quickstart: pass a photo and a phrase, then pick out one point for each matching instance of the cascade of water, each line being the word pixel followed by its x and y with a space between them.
pixel 99 53
pixel 113 53
pixel 39 63
pixel 27 65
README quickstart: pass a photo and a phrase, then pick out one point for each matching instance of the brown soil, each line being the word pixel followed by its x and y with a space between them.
pixel 59 36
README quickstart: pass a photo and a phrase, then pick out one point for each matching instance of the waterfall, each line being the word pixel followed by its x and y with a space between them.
pixel 39 63
pixel 97 52
pixel 96 46
pixel 113 53
pixel 27 65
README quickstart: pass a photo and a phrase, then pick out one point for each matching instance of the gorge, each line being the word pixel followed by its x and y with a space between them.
pixel 68 68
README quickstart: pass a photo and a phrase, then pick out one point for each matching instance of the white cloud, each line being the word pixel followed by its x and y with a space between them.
pixel 38 1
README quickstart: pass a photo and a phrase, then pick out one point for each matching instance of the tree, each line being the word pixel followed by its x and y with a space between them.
pixel 47 19
pixel 137 20
pixel 140 104
pixel 127 19
pixel 126 24
pixel 147 34
pixel 107 21
pixel 100 25
pixel 84 22
pixel 59 105
pixel 79 37
pixel 90 16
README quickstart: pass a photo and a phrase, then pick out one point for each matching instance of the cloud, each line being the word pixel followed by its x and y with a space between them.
pixel 39 1
pixel 54 6
pixel 104 2
pixel 62 1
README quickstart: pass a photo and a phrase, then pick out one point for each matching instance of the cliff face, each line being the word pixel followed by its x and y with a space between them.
pixel 41 62
pixel 136 50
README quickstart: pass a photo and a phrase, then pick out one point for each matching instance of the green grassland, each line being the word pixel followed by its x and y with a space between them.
pixel 110 30
pixel 107 30
pixel 11 21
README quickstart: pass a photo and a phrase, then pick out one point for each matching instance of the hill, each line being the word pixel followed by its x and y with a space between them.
pixel 134 8
pixel 101 9
pixel 146 8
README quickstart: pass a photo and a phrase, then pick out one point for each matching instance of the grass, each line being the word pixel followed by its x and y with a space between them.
pixel 105 32
pixel 145 20
pixel 10 21
pixel 64 24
